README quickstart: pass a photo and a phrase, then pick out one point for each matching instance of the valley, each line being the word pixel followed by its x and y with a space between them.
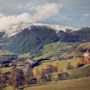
pixel 42 57
pixel 44 44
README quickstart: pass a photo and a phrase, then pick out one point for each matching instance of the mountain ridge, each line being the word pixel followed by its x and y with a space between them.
pixel 33 39
pixel 17 28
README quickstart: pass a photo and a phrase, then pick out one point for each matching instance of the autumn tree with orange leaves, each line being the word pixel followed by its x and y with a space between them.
pixel 56 66
pixel 86 59
pixel 35 72
pixel 81 60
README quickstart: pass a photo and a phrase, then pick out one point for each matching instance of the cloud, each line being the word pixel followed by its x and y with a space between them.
pixel 47 10
pixel 40 5
pixel 2 15
pixel 0 9
pixel 7 21
pixel 85 17
pixel 19 6
pixel 66 18
pixel 63 18
pixel 42 12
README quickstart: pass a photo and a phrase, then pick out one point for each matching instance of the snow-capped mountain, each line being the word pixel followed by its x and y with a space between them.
pixel 26 37
pixel 17 28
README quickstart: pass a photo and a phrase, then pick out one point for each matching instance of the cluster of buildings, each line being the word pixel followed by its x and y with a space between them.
pixel 64 57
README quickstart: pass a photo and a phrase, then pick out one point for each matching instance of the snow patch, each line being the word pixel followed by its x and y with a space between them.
pixel 17 28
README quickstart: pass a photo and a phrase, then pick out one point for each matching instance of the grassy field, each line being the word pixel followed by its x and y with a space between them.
pixel 74 73
pixel 2 52
pixel 62 64
pixel 57 48
pixel 24 55
pixel 81 83
pixel 74 84
pixel 6 69
pixel 85 46
pixel 78 72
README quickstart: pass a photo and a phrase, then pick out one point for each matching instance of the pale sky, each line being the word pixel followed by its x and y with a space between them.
pixel 74 13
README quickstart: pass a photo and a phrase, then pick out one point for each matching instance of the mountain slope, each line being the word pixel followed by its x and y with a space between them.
pixel 31 38
pixel 28 40
pixel 80 35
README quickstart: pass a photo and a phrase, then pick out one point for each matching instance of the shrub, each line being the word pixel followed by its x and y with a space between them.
pixel 88 72
pixel 50 68
pixel 45 75
pixel 63 76
pixel 61 71
pixel 69 66
pixel 79 65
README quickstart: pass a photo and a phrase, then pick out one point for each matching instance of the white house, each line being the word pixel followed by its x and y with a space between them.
pixel 86 54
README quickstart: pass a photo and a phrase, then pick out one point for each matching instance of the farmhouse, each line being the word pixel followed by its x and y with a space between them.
pixel 86 54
